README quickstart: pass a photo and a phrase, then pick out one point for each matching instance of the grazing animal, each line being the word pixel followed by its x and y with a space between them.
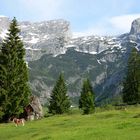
pixel 19 121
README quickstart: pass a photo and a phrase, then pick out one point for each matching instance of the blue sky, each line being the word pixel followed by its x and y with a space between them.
pixel 99 17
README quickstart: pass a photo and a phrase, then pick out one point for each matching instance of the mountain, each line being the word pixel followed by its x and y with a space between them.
pixel 51 49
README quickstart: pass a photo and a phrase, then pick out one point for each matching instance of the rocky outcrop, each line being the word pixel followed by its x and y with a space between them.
pixel 36 105
pixel 135 28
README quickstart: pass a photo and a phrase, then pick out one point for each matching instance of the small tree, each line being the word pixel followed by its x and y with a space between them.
pixel 131 85
pixel 59 101
pixel 86 101
pixel 14 87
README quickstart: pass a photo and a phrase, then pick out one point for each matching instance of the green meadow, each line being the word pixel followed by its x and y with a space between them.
pixel 102 125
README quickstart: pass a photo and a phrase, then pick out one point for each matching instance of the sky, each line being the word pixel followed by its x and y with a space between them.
pixel 86 17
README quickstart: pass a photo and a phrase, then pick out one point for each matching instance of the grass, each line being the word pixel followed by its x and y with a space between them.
pixel 102 125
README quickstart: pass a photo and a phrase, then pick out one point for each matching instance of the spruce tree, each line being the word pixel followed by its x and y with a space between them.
pixel 14 86
pixel 131 84
pixel 86 101
pixel 59 101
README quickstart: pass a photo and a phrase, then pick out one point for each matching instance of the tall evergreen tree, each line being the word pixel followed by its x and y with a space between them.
pixel 59 101
pixel 14 86
pixel 131 85
pixel 86 101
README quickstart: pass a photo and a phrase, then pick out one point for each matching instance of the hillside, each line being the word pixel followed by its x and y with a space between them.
pixel 103 125
pixel 51 49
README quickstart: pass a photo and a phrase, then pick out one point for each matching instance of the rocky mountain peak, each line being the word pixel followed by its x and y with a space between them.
pixel 48 27
pixel 51 49
pixel 4 22
pixel 135 28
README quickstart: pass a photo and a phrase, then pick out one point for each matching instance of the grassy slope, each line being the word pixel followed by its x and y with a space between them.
pixel 105 125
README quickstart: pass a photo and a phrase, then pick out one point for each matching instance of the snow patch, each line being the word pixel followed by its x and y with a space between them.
pixel 103 60
pixel 33 34
pixel 69 46
pixel 34 49
pixel 98 61
pixel 62 51
pixel 3 33
pixel 46 37
pixel 2 16
pixel 111 43
pixel 93 52
pixel 131 41
pixel 102 38
pixel 85 51
pixel 33 40
pixel 118 46
pixel 23 26
pixel 28 48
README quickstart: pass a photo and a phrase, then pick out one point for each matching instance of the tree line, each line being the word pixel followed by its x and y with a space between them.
pixel 60 103
pixel 15 90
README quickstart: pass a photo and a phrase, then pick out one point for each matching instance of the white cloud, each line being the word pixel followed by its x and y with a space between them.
pixel 47 9
pixel 123 23
pixel 2 16
pixel 71 10
pixel 110 26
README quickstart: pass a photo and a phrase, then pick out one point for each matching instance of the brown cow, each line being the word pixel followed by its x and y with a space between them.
pixel 19 121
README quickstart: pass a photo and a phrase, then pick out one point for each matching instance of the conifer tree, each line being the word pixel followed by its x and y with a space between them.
pixel 59 101
pixel 131 85
pixel 86 101
pixel 14 86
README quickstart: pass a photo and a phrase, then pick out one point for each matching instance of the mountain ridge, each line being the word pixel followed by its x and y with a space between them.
pixel 51 49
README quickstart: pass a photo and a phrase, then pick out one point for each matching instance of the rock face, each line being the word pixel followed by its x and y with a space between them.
pixel 135 28
pixel 4 23
pixel 51 49
pixel 36 105
pixel 44 37
pixel 47 37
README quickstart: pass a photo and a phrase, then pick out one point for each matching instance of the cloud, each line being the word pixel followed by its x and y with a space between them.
pixel 44 9
pixel 110 26
pixel 91 17
pixel 123 23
